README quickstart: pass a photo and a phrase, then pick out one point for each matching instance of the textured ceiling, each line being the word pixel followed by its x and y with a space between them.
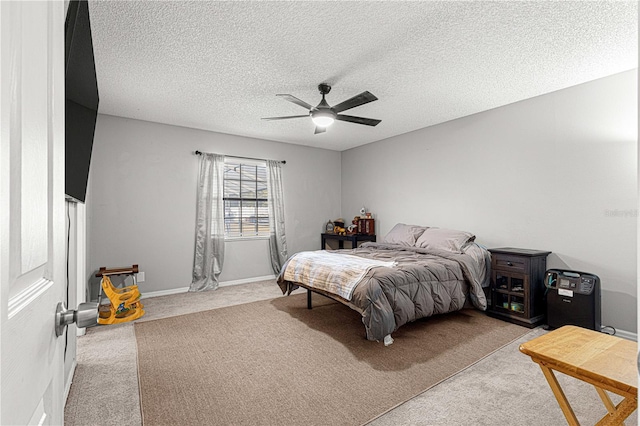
pixel 218 65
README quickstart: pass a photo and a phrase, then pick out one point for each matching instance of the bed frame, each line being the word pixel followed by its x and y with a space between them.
pixel 387 339
pixel 328 295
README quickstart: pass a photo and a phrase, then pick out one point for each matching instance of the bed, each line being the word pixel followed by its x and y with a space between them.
pixel 415 272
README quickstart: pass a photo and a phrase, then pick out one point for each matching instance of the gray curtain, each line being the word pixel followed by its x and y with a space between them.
pixel 277 238
pixel 209 249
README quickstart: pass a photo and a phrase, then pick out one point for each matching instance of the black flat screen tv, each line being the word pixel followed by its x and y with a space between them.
pixel 81 105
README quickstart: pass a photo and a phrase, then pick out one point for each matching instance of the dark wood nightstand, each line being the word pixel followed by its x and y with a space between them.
pixel 517 285
pixel 355 239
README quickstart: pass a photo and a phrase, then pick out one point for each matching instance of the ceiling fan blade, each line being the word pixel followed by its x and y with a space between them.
pixel 361 99
pixel 285 118
pixel 296 101
pixel 320 130
pixel 359 120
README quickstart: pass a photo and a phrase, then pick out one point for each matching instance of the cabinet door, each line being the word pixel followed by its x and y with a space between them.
pixel 510 293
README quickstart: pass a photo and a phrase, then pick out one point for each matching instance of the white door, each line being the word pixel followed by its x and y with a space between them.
pixel 32 209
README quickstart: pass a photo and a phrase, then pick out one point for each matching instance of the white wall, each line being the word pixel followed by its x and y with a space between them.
pixel 72 226
pixel 76 279
pixel 557 172
pixel 142 197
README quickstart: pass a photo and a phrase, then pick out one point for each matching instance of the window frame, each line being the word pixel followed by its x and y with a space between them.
pixel 246 162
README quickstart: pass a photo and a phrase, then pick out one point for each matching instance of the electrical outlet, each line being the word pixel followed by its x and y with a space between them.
pixel 140 277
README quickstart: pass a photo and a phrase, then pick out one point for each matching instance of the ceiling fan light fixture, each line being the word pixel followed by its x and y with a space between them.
pixel 323 118
pixel 323 115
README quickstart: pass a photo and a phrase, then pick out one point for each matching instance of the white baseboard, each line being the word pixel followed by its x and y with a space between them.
pixel 622 333
pixel 222 284
pixel 69 379
pixel 146 295
pixel 247 280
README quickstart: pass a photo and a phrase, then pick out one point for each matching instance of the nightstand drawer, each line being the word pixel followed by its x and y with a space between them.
pixel 510 263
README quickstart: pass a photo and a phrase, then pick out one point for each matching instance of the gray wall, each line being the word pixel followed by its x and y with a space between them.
pixel 142 195
pixel 557 172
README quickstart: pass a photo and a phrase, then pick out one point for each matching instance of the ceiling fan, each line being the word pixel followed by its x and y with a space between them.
pixel 324 115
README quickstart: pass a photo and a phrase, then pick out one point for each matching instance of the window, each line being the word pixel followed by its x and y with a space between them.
pixel 246 211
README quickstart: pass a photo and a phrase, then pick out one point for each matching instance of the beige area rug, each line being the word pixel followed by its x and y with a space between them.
pixel 276 362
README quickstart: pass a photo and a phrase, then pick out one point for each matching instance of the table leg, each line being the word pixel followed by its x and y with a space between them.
pixel 621 412
pixel 604 396
pixel 560 396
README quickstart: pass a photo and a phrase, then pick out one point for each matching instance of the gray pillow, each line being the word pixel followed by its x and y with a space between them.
pixel 405 235
pixel 444 239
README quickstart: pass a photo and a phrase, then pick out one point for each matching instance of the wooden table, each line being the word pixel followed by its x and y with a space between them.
pixel 607 362
pixel 353 238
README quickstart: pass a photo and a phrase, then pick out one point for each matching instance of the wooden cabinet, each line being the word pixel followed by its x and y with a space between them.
pixel 354 239
pixel 517 285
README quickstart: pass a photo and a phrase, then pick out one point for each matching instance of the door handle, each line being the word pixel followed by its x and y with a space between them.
pixel 85 316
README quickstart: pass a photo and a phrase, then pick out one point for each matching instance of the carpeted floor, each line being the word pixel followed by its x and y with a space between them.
pixel 503 388
pixel 276 362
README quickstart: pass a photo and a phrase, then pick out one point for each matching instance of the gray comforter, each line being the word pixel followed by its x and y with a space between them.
pixel 424 283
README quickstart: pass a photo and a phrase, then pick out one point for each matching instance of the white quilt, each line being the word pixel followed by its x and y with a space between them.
pixel 335 273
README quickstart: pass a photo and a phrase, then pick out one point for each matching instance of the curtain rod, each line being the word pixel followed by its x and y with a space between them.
pixel 246 158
